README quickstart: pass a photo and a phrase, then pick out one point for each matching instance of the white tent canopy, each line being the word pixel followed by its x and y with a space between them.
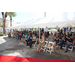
pixel 73 25
pixel 23 25
pixel 43 23
pixel 67 24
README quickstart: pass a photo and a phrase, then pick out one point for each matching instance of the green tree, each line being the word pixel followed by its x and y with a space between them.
pixel 11 14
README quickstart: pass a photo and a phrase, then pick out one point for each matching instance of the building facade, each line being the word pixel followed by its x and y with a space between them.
pixel 7 26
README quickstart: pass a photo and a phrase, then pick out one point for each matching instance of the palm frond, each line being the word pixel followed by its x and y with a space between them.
pixel 11 14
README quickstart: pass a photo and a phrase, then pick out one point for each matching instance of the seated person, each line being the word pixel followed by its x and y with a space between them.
pixel 22 33
pixel 68 34
pixel 62 42
pixel 9 35
pixel 61 31
pixel 64 33
pixel 69 42
pixel 46 35
pixel 71 34
pixel 33 41
pixel 51 37
pixel 65 38
pixel 23 38
pixel 29 39
pixel 16 36
pixel 26 36
pixel 37 36
pixel 41 43
pixel 51 32
pixel 43 33
pixel 19 36
pixel 61 35
pixel 55 34
pixel 74 39
pixel 49 45
pixel 56 41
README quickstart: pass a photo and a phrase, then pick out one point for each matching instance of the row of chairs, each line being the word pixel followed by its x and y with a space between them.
pixel 50 49
pixel 71 47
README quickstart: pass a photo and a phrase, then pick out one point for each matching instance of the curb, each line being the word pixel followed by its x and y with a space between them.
pixel 3 37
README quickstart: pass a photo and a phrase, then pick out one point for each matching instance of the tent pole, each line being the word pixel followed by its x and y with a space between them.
pixel 39 32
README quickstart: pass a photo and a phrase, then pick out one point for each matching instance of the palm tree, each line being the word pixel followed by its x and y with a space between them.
pixel 4 20
pixel 11 14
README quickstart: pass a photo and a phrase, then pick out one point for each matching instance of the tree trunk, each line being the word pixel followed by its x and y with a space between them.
pixel 10 21
pixel 4 26
pixel 3 22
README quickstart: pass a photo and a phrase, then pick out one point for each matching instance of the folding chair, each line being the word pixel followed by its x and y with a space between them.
pixel 73 43
pixel 44 47
pixel 11 35
pixel 35 43
pixel 50 49
pixel 70 48
pixel 64 46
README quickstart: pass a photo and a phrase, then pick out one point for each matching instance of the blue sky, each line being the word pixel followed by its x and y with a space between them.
pixel 24 16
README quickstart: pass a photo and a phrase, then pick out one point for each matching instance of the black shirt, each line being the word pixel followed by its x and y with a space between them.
pixel 71 34
pixel 70 40
pixel 60 37
pixel 66 39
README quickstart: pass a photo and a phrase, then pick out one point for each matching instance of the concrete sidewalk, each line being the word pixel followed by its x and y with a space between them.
pixel 1 37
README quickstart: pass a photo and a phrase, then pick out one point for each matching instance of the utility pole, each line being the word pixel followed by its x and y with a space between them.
pixel 44 14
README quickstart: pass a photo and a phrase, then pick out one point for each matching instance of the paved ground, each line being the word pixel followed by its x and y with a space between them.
pixel 13 47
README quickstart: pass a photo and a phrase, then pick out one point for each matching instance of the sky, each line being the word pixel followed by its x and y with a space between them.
pixel 24 16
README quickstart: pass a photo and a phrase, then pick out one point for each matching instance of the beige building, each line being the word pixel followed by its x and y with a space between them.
pixel 7 26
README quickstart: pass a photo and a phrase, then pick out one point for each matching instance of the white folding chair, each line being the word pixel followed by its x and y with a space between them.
pixel 70 48
pixel 73 43
pixel 35 42
pixel 50 49
pixel 44 47
pixel 11 35
pixel 64 46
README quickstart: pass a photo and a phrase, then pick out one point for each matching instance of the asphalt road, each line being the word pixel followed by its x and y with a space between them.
pixel 14 47
pixel 7 42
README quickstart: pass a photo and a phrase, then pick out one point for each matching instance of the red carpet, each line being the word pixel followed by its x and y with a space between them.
pixel 5 58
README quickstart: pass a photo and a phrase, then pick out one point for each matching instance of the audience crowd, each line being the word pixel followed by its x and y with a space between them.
pixel 59 38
